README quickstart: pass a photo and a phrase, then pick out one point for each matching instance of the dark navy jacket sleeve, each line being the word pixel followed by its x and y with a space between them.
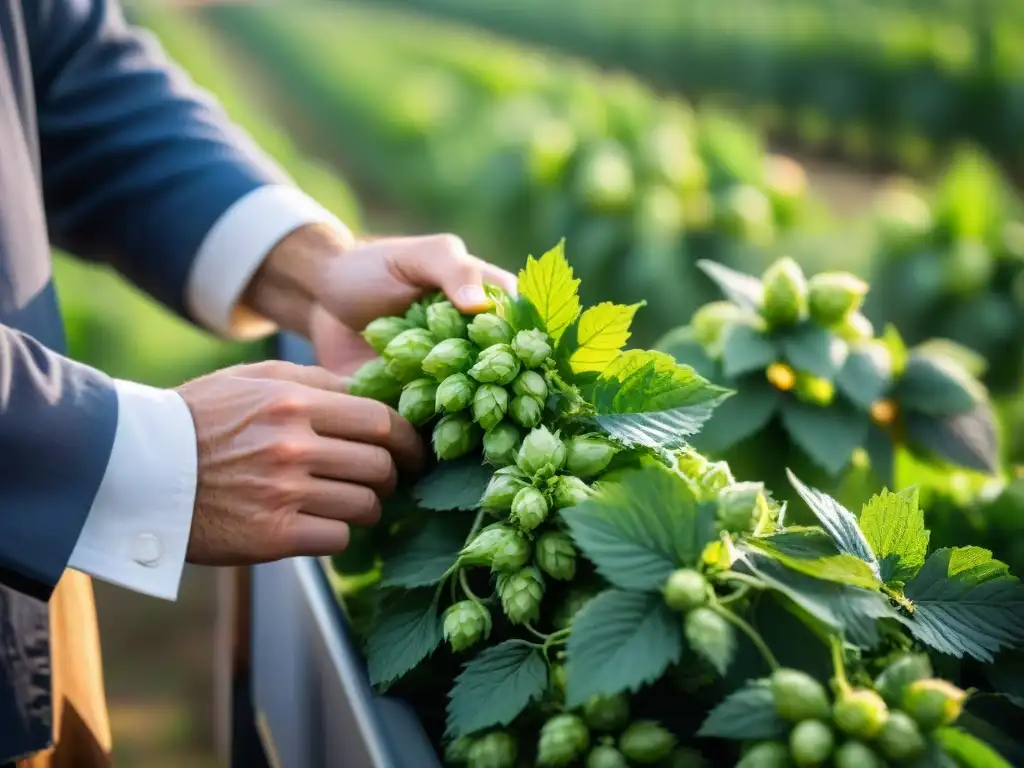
pixel 57 425
pixel 138 162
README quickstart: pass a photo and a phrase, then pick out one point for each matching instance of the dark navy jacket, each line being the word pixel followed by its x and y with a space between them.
pixel 108 153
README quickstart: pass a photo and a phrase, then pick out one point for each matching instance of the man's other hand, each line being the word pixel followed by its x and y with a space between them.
pixel 287 462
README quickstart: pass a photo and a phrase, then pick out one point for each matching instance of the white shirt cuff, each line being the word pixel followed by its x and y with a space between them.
pixel 233 250
pixel 136 534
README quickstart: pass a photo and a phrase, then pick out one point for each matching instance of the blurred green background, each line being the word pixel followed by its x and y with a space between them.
pixel 650 133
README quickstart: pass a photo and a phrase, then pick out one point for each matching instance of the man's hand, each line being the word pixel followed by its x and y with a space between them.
pixel 319 282
pixel 287 462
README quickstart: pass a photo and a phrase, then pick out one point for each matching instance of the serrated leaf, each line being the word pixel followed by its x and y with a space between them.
pixel 866 375
pixel 602 332
pixel 839 522
pixel 423 560
pixel 837 567
pixel 937 386
pixel 966 603
pixel 619 642
pixel 741 289
pixel 406 630
pixel 495 687
pixel 646 398
pixel 827 435
pixel 850 610
pixel 972 362
pixel 457 484
pixel 745 349
pixel 548 284
pixel 811 349
pixel 967 440
pixel 968 751
pixel 893 525
pixel 739 416
pixel 745 715
pixel 640 526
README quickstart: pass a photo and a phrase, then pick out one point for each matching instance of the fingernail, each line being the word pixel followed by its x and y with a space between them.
pixel 472 296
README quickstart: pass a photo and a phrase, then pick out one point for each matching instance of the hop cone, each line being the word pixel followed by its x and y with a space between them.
pixel 834 295
pixel 901 738
pixel 521 594
pixel 860 713
pixel 454 436
pixel 445 321
pixel 495 750
pixel 588 455
pixel 710 321
pixel 569 491
pixel 607 713
pixel 372 380
pixel 563 738
pixel 606 756
pixel 496 365
pixel 531 347
pixel 405 353
pixel 529 508
pixel 798 696
pixel 417 402
pixel 811 743
pixel 645 741
pixel 380 332
pixel 502 489
pixel 466 623
pixel 490 404
pixel 501 443
pixel 556 555
pixel 487 329
pixel 933 702
pixel 785 293
pixel 526 410
pixel 503 548
pixel 449 357
pixel 766 754
pixel 716 477
pixel 686 589
pixel 740 506
pixel 530 384
pixel 455 393
pixel 541 451
pixel 416 315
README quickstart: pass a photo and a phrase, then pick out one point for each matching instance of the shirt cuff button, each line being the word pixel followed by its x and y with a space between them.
pixel 147 550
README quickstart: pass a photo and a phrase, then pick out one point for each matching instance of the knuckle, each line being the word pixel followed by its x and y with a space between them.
pixel 450 245
pixel 288 452
pixel 279 493
pixel 287 405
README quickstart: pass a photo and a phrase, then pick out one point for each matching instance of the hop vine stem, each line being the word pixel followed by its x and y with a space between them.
pixel 839 664
pixel 750 632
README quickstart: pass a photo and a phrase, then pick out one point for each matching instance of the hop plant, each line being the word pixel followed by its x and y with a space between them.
pixel 563 739
pixel 530 384
pixel 490 403
pixel 568 491
pixel 454 436
pixel 588 455
pixel 380 332
pixel 900 738
pixel 856 754
pixel 501 443
pixel 811 743
pixel 405 353
pixel 497 364
pixel 686 589
pixel 531 347
pixel 449 357
pixel 487 329
pixel 521 595
pixel 465 624
pixel 798 696
pixel 606 756
pixel 445 322
pixel 502 489
pixel 766 754
pixel 860 713
pixel 785 293
pixel 417 402
pixel 933 703
pixel 900 674
pixel 832 296
pixel 527 411
pixel 556 555
pixel 501 547
pixel 541 452
pixel 494 750
pixel 529 508
pixel 454 393
pixel 646 742
pixel 373 380
pixel 740 506
pixel 606 714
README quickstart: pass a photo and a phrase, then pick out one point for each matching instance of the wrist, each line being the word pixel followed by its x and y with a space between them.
pixel 285 287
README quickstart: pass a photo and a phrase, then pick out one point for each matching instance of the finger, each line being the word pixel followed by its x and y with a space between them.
pixel 361 463
pixel 499 277
pixel 314 376
pixel 339 349
pixel 441 261
pixel 312 536
pixel 348 502
pixel 361 420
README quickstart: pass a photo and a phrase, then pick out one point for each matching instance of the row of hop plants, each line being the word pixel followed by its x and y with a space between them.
pixel 573 584
pixel 513 150
pixel 866 79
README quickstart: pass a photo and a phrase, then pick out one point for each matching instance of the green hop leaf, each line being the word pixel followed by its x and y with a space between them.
pixel 740 506
pixel 496 365
pixel 417 402
pixel 373 380
pixel 490 403
pixel 646 742
pixel 568 608
pixel 766 754
pixel 531 347
pixel 526 411
pixel 811 743
pixel 502 489
pixel 541 452
pixel 405 353
pixel 405 631
pixel 745 714
pixel 855 754
pixel 445 322
pixel 685 590
pixel 454 436
pixel 501 443
pixel 860 713
pixel 893 525
pixel 606 756
pixel 933 703
pixel 606 714
pixel 520 595
pixel 501 547
pixel 530 384
pixel 380 332
pixel 449 357
pixel 785 293
pixel 465 624
pixel 588 455
pixel 798 696
pixel 568 491
pixel 494 750
pixel 529 508
pixel 454 393
pixel 899 674
pixel 834 295
pixel 487 329
pixel 556 555
pixel 900 738
pixel 711 636
pixel 563 738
